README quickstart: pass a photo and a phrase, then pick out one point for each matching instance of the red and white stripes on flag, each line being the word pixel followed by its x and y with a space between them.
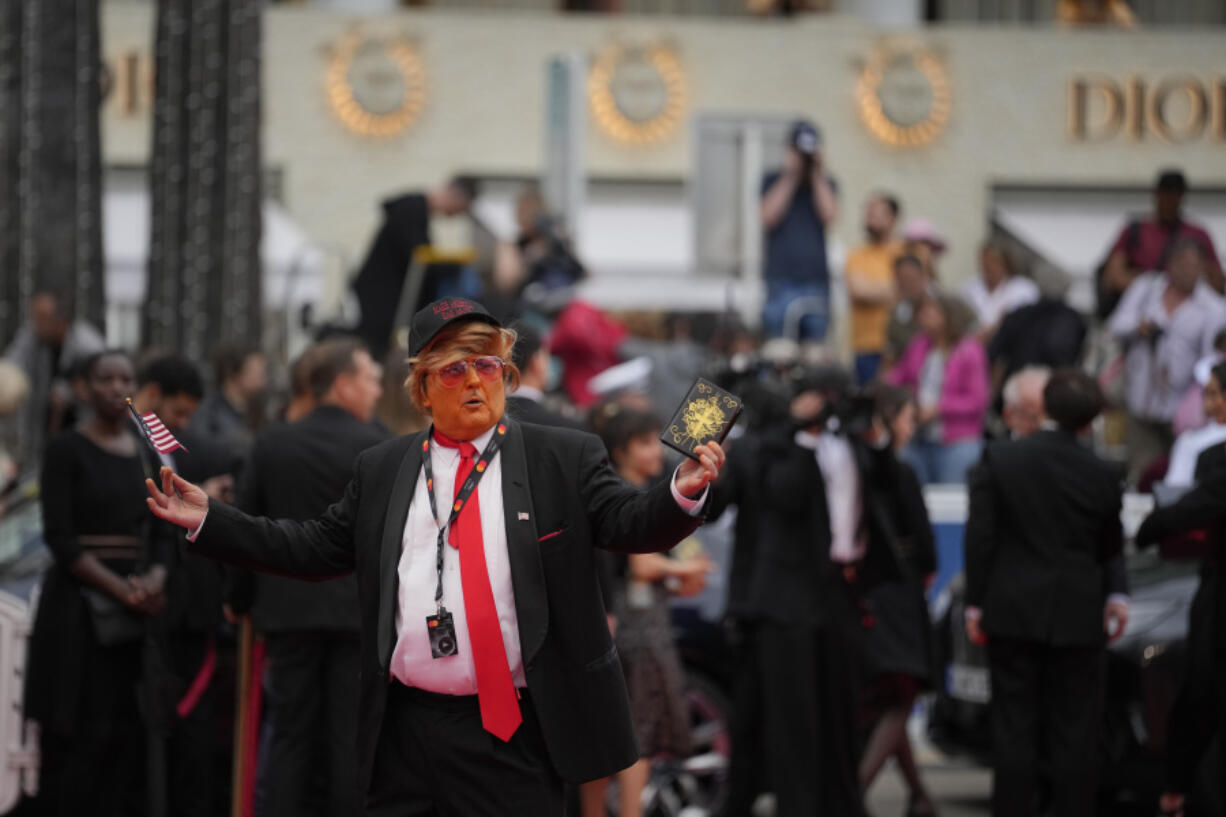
pixel 156 432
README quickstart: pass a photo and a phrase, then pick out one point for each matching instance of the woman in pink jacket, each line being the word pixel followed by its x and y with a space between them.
pixel 946 367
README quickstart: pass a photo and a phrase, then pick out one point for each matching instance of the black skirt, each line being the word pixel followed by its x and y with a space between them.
pixel 898 632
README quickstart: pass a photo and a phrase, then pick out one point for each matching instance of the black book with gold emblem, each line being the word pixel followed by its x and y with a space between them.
pixel 706 414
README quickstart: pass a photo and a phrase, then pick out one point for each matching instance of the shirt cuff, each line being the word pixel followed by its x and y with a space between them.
pixel 1119 598
pixel 973 613
pixel 691 506
pixel 191 536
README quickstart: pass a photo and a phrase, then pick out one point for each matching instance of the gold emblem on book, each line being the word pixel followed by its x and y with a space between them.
pixel 703 417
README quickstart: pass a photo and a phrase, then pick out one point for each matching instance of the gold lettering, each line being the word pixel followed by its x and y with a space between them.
pixel 1080 114
pixel 1156 111
pixel 1134 108
pixel 1219 109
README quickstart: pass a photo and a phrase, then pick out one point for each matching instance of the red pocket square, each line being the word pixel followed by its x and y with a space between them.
pixel 557 532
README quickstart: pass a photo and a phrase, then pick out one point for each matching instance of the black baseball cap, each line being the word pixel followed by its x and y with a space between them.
pixel 433 318
pixel 804 137
pixel 1173 181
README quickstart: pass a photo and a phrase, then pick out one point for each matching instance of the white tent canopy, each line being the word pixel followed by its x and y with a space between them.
pixel 293 266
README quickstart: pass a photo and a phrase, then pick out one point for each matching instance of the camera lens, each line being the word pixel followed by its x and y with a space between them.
pixel 446 646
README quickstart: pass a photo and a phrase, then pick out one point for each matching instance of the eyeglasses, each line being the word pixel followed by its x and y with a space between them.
pixel 453 374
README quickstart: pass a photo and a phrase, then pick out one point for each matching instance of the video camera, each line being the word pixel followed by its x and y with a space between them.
pixel 850 415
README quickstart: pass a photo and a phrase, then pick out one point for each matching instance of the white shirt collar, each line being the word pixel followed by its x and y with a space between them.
pixel 529 393
pixel 807 439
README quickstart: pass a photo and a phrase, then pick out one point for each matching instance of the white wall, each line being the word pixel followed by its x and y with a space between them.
pixel 484 111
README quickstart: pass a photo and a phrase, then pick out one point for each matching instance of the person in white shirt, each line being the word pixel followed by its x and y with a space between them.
pixel 999 289
pixel 1192 443
pixel 1166 322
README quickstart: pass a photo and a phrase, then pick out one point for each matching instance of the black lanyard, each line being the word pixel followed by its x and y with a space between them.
pixel 474 477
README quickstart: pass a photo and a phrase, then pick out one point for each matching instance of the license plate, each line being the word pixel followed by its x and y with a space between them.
pixel 968 683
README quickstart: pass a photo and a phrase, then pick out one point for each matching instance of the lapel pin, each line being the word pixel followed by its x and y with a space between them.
pixel 523 517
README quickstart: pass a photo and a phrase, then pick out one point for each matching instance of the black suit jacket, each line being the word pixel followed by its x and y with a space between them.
pixel 739 484
pixel 295 472
pixel 527 410
pixel 1204 506
pixel 557 485
pixel 194 588
pixel 1044 540
pixel 780 483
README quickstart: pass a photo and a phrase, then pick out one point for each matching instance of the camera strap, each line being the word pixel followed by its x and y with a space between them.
pixel 461 499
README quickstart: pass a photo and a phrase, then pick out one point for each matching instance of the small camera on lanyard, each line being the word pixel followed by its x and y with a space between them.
pixel 442 634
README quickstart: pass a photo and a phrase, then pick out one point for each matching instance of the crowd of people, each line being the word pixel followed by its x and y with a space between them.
pixel 826 606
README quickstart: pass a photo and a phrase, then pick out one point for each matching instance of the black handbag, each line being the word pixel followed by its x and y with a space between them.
pixel 114 624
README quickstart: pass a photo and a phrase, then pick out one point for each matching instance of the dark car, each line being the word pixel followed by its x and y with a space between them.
pixel 1142 679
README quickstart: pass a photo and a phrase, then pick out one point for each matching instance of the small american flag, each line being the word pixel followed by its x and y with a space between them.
pixel 155 431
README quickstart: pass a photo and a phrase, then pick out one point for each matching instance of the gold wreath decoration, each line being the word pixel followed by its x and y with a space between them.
pixel 610 117
pixel 349 110
pixel 873 112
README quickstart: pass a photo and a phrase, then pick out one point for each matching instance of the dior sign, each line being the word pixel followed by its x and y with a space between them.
pixel 1181 108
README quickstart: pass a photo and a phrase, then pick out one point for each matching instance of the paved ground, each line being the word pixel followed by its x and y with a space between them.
pixel 959 791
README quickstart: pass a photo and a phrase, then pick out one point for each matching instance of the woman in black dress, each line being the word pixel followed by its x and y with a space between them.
pixel 897 649
pixel 107 579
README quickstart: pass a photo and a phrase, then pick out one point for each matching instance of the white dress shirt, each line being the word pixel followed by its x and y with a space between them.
pixel 1188 447
pixel 412 663
pixel 529 393
pixel 844 495
pixel 1160 371
pixel 991 307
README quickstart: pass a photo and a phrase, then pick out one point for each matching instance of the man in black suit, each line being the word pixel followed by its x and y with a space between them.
pixel 817 491
pixel 172 388
pixel 1044 591
pixel 527 402
pixel 488 672
pixel 311 629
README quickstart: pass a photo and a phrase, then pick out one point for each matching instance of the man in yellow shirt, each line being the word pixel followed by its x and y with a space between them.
pixel 869 273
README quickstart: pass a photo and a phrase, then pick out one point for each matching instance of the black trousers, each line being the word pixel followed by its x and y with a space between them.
pixel 1193 720
pixel 809 679
pixel 193 791
pixel 313 690
pixel 1046 713
pixel 434 759
pixel 746 772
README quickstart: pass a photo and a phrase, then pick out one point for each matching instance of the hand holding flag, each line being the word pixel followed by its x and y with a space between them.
pixel 178 502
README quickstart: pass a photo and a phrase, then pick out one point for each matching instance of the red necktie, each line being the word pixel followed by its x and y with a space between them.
pixel 495 689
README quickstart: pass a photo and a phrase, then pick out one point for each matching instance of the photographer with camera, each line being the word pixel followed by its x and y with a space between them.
pixel 821 491
pixel 798 203
pixel 1165 322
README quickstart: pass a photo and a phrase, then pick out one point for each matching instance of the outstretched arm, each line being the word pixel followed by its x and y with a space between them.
pixel 319 549
pixel 627 520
